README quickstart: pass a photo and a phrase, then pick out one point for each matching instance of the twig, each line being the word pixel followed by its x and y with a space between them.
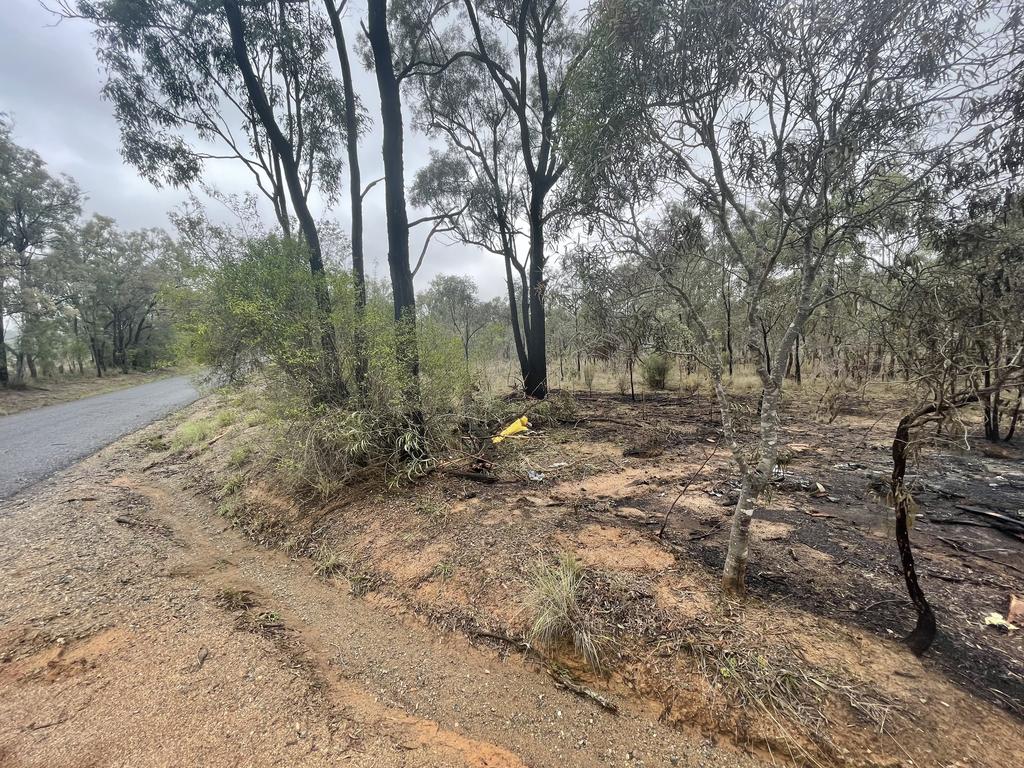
pixel 693 477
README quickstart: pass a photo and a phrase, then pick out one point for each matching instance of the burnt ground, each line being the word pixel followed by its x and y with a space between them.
pixel 966 568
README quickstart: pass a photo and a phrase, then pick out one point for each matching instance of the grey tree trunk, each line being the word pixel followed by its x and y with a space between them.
pixel 355 194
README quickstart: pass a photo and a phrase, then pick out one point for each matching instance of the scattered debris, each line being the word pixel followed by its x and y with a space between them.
pixel 563 679
pixel 522 424
pixel 995 619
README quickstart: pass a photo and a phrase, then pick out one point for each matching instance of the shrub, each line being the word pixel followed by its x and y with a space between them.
pixel 557 407
pixel 588 377
pixel 256 307
pixel 623 383
pixel 656 369
pixel 322 448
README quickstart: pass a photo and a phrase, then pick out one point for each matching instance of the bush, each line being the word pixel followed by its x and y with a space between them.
pixel 623 383
pixel 256 306
pixel 588 377
pixel 656 369
pixel 322 448
pixel 556 408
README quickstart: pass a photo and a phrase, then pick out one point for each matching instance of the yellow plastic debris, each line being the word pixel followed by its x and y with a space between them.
pixel 519 425
pixel 995 619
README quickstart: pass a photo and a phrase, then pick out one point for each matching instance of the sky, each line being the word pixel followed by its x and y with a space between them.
pixel 50 87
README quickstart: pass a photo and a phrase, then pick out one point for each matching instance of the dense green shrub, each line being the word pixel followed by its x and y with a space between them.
pixel 656 369
pixel 257 308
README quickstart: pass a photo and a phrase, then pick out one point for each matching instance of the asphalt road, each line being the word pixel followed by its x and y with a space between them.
pixel 35 444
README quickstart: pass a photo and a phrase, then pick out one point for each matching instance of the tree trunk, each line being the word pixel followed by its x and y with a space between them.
pixel 31 366
pixel 734 573
pixel 4 374
pixel 923 634
pixel 632 389
pixel 517 333
pixel 536 379
pixel 296 191
pixel 727 301
pixel 796 357
pixel 96 358
pixel 394 194
pixel 1015 416
pixel 356 195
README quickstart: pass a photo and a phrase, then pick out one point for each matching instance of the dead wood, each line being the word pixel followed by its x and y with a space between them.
pixel 564 680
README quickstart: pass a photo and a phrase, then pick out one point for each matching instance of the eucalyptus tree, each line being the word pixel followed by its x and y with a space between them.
pixel 452 300
pixel 789 126
pixel 524 53
pixel 480 174
pixel 389 86
pixel 196 80
pixel 110 282
pixel 354 120
pixel 35 207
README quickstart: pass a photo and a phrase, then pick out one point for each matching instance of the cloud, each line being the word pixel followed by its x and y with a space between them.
pixel 50 84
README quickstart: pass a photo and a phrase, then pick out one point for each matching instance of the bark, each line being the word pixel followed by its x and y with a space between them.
pixel 4 374
pixel 796 357
pixel 727 302
pixel 517 333
pixel 355 193
pixel 535 381
pixel 923 634
pixel 394 193
pixel 756 478
pixel 96 357
pixel 296 191
pixel 1015 416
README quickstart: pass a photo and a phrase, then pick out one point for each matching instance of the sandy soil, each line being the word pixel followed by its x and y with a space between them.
pixel 138 629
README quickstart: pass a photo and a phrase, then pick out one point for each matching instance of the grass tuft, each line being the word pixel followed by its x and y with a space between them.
pixel 555 602
pixel 191 433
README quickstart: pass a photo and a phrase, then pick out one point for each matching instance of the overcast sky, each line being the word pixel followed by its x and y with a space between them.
pixel 50 86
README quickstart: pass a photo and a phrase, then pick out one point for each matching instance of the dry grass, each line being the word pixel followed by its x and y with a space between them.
pixel 192 433
pixel 555 601
pixel 746 672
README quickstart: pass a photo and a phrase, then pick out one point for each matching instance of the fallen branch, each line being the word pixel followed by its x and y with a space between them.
pixel 1016 525
pixel 960 548
pixel 564 680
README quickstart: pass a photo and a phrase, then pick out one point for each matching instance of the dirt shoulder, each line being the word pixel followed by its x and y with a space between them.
pixel 809 670
pixel 42 392
pixel 138 628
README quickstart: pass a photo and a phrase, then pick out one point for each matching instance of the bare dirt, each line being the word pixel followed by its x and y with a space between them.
pixel 809 670
pixel 221 617
pixel 138 629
